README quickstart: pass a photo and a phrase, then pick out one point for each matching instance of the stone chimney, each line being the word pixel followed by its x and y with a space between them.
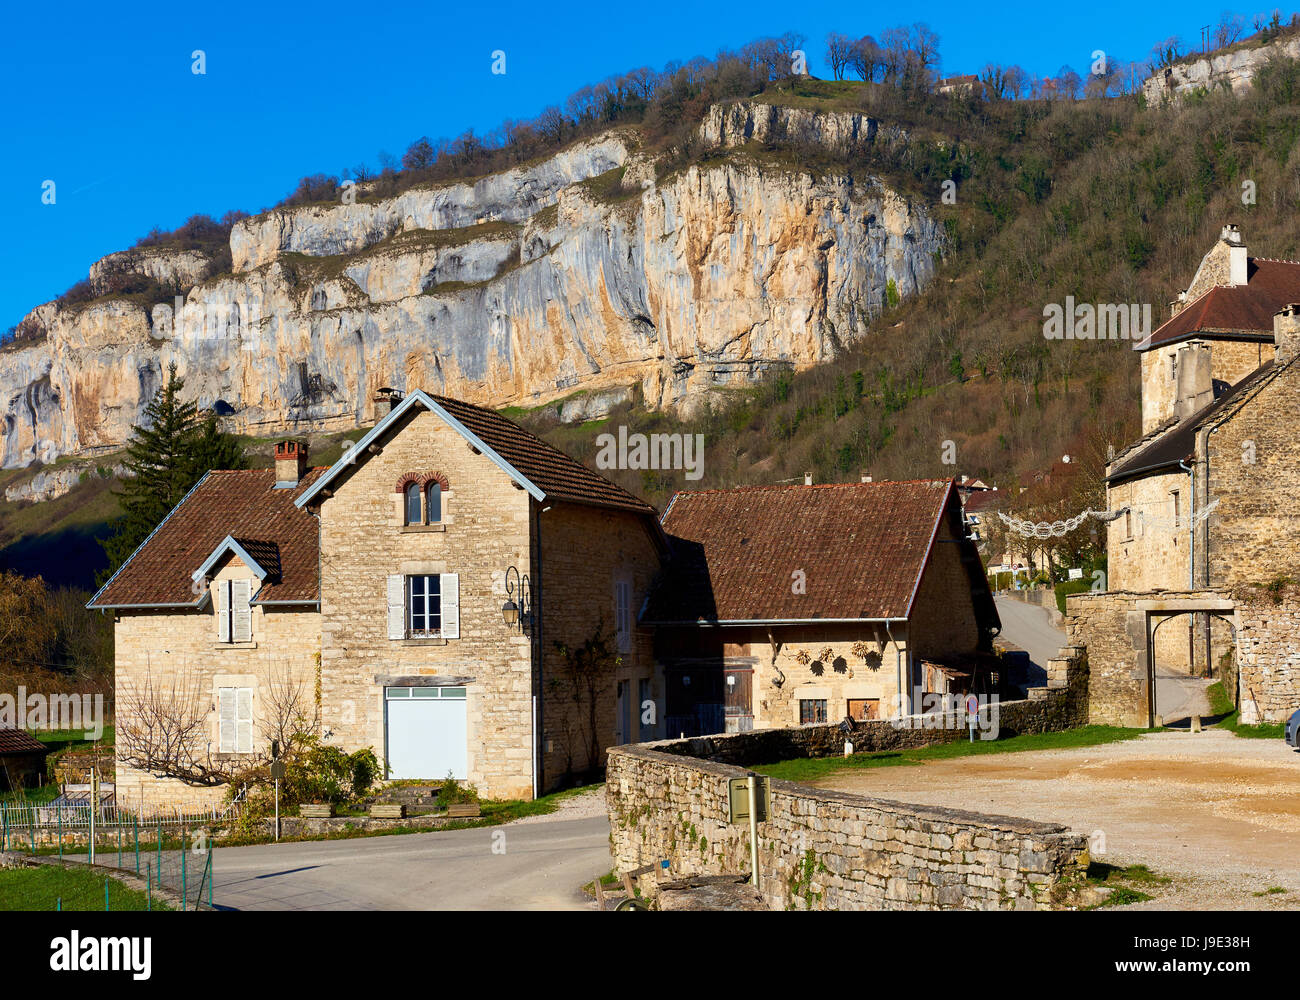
pixel 807 478
pixel 1195 383
pixel 290 462
pixel 1286 332
pixel 385 399
pixel 1231 235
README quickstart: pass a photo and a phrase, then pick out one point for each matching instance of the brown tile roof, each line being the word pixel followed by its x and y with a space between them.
pixel 985 500
pixel 20 741
pixel 1235 309
pixel 549 469
pixel 862 547
pixel 244 504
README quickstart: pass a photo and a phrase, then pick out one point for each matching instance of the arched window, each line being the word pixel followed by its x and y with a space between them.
pixel 413 504
pixel 433 512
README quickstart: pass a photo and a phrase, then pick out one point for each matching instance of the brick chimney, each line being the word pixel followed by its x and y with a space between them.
pixel 1195 384
pixel 1286 332
pixel 290 462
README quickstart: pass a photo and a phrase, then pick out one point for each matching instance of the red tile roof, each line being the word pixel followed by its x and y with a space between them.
pixel 20 741
pixel 1235 309
pixel 549 469
pixel 861 546
pixel 245 504
pixel 985 500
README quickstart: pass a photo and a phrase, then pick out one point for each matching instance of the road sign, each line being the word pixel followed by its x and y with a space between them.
pixel 972 705
pixel 738 800
pixel 277 770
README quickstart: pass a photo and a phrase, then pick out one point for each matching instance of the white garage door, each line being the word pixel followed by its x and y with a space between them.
pixel 428 732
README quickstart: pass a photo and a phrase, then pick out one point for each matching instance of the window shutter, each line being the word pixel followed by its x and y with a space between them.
pixel 226 739
pixel 243 720
pixel 223 611
pixel 241 615
pixel 449 583
pixel 396 606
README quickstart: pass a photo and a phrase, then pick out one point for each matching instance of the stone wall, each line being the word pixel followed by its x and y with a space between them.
pixel 833 850
pixel 1268 653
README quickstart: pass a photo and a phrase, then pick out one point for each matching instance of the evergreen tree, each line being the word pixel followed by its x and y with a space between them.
pixel 167 454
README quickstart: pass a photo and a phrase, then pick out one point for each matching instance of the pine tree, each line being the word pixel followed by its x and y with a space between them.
pixel 168 453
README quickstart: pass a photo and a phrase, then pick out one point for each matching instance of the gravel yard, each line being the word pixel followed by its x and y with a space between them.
pixel 1218 813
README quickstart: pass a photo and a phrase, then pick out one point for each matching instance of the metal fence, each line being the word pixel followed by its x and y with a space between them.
pixel 166 849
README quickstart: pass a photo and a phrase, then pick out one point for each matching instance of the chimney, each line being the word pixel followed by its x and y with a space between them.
pixel 1195 384
pixel 1286 332
pixel 385 399
pixel 807 478
pixel 290 462
pixel 1237 252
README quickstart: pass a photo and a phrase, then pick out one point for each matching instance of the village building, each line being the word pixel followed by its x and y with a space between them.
pixel 426 596
pixel 1203 504
pixel 788 605
pixel 22 759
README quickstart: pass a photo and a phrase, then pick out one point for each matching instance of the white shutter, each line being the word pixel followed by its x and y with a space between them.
pixel 241 618
pixel 243 720
pixel 226 720
pixel 396 606
pixel 449 584
pixel 223 611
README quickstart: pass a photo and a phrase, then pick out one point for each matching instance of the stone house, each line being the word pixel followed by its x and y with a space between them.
pixel 22 759
pixel 1204 502
pixel 787 605
pixel 417 597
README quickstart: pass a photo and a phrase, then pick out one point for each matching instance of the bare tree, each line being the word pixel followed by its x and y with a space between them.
pixel 866 58
pixel 1228 30
pixel 839 49
pixel 162 728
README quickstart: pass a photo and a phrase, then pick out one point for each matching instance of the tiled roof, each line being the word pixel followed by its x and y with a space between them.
pixel 20 741
pixel 544 468
pixel 244 504
pixel 1178 443
pixel 860 546
pixel 551 470
pixel 1246 310
pixel 985 500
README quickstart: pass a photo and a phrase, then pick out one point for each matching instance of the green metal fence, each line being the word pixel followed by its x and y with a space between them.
pixel 165 857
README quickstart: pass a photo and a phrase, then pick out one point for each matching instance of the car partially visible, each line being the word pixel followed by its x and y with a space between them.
pixel 1293 730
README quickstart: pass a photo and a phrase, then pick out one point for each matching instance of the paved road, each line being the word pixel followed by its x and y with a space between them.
pixel 1030 627
pixel 542 866
pixel 1179 696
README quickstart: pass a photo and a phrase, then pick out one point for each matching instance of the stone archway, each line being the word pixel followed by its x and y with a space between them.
pixel 1175 694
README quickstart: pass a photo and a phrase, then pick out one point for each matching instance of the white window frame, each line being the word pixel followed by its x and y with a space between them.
pixel 401 606
pixel 414 584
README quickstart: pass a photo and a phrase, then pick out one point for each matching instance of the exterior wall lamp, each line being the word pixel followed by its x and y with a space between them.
pixel 520 614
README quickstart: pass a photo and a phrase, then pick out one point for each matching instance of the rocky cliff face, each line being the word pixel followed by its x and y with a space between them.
pixel 584 272
pixel 1234 70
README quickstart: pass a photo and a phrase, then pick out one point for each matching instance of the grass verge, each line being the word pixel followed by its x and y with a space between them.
pixel 80 891
pixel 807 769
pixel 1221 704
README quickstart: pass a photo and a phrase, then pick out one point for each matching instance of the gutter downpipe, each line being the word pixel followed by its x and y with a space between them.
pixel 898 669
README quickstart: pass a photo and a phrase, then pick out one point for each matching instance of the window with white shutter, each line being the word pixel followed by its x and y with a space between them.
pixel 424 617
pixel 396 606
pixel 235 720
pixel 241 615
pixel 623 614
pixel 222 592
pixel 449 585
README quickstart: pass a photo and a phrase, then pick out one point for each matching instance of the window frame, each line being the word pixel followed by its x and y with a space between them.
pixel 824 711
pixel 426 497
pixel 411 492
pixel 432 591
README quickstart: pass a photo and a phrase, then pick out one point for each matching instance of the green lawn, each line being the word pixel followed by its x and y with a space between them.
pixel 810 769
pixel 80 890
pixel 1221 704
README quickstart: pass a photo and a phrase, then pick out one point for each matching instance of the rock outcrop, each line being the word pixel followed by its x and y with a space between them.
pixel 1233 69
pixel 595 270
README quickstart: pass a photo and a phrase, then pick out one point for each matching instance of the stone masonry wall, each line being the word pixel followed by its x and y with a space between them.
pixel 823 849
pixel 833 850
pixel 1268 654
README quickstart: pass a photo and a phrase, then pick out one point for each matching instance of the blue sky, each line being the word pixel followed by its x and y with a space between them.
pixel 101 98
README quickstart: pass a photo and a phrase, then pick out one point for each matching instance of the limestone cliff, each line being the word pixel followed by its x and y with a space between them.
pixel 597 270
pixel 1233 69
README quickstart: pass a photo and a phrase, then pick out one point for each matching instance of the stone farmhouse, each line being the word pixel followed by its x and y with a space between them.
pixel 413 598
pixel 788 605
pixel 1205 502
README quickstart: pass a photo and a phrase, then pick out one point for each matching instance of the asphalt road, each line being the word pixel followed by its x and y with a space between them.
pixel 536 866
pixel 1030 627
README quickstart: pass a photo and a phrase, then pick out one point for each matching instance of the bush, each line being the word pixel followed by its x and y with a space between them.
pixel 1064 590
